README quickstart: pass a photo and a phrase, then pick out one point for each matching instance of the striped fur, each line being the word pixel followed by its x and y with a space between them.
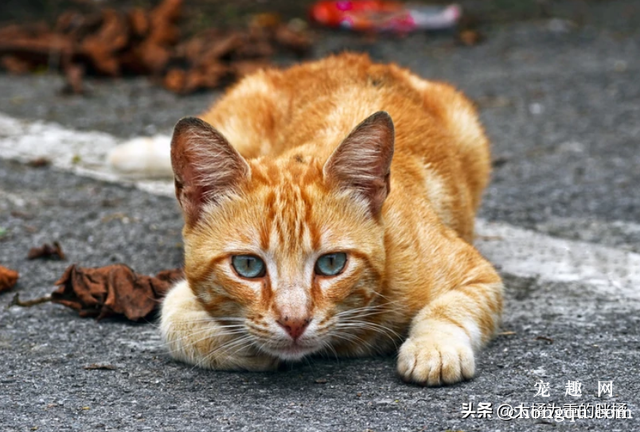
pixel 317 181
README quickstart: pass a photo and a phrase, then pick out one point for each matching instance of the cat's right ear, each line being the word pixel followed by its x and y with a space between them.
pixel 362 162
pixel 206 167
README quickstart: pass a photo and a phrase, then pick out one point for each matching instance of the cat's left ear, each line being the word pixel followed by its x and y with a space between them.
pixel 206 167
pixel 362 162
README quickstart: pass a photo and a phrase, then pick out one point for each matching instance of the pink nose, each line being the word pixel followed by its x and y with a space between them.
pixel 295 327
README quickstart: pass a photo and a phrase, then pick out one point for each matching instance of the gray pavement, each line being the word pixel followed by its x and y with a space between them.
pixel 562 106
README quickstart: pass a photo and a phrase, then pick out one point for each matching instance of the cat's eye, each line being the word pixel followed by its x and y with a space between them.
pixel 249 266
pixel 331 264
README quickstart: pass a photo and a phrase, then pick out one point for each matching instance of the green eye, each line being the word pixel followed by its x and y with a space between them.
pixel 331 264
pixel 249 266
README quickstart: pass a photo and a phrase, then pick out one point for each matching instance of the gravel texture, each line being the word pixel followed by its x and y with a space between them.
pixel 561 104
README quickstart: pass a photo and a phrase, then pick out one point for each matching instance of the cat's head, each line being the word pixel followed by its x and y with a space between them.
pixel 288 251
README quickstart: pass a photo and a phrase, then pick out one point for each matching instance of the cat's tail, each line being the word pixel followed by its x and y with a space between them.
pixel 143 157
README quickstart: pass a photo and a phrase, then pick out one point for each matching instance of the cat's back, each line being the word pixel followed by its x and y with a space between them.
pixel 311 107
pixel 318 103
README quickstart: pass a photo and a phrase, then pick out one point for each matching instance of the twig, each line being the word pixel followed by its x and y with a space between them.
pixel 544 338
pixel 28 303
pixel 507 333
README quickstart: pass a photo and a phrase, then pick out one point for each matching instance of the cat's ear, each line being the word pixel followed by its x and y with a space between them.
pixel 206 167
pixel 362 161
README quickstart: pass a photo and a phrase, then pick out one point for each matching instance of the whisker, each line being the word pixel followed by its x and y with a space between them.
pixel 213 329
pixel 225 347
pixel 349 337
pixel 364 310
pixel 378 328
pixel 326 344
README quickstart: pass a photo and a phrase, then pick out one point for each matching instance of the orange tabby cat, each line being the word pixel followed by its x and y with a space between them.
pixel 329 208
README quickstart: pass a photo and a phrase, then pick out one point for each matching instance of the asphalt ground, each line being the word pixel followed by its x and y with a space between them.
pixel 561 104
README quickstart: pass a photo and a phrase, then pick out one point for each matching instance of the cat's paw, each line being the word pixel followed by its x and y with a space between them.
pixel 432 361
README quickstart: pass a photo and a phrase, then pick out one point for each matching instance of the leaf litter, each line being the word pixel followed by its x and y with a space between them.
pixel 110 291
pixel 8 278
pixel 47 251
pixel 113 43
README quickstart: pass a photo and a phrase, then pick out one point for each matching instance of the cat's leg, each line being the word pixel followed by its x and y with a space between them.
pixel 446 334
pixel 194 337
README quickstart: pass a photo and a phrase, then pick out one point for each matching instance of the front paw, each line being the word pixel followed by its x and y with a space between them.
pixel 432 361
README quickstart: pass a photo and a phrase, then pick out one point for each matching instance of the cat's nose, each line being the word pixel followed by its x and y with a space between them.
pixel 294 326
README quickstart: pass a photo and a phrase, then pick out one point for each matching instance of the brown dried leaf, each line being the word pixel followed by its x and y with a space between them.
pixel 168 11
pixel 16 65
pixel 8 278
pixel 246 67
pixel 256 44
pixel 207 76
pixel 144 42
pixel 68 21
pixel 165 35
pixel 139 21
pixel 112 291
pixel 295 41
pixel 76 25
pixel 164 30
pixel 103 46
pixel 154 56
pixel 12 32
pixel 171 275
pixel 47 251
pixel 220 47
pixel 26 30
pixel 37 49
pixel 175 80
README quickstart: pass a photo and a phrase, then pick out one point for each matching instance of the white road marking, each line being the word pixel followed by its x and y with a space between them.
pixel 80 152
pixel 527 253
pixel 513 250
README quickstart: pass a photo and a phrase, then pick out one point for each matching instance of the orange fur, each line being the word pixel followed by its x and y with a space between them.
pixel 305 181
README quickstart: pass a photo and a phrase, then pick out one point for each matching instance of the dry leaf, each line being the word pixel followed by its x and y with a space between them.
pixel 146 42
pixel 164 30
pixel 47 251
pixel 113 290
pixel 16 65
pixel 8 278
pixel 295 41
pixel 139 21
pixel 103 46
